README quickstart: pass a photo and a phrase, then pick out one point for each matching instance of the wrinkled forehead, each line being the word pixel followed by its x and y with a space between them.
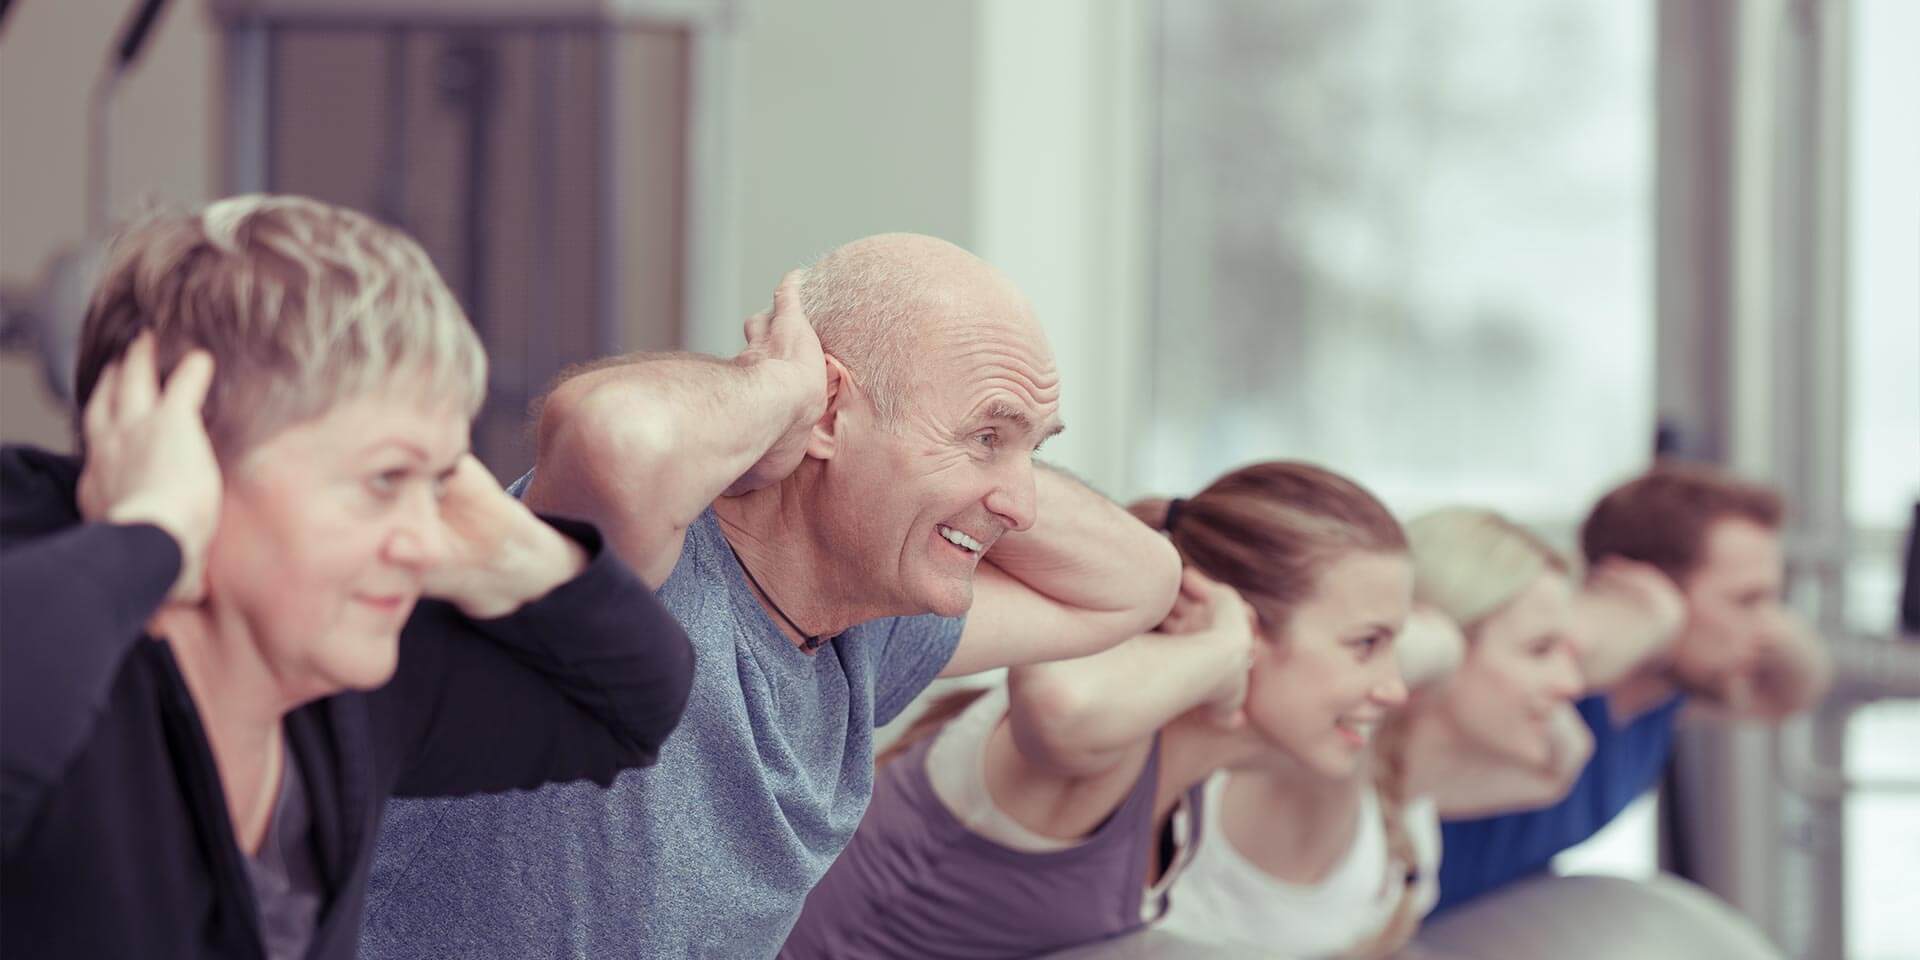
pixel 970 358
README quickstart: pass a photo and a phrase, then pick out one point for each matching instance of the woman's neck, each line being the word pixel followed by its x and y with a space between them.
pixel 1193 747
pixel 1433 745
pixel 1293 824
pixel 1282 817
pixel 240 701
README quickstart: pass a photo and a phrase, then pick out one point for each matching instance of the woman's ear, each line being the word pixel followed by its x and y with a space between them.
pixel 824 439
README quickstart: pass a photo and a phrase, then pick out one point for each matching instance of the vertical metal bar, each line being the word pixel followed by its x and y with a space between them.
pixel 613 134
pixel 709 266
pixel 1692 81
pixel 537 348
pixel 393 175
pixel 1819 133
pixel 248 68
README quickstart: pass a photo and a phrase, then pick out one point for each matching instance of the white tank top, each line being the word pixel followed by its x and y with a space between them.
pixel 957 769
pixel 1222 898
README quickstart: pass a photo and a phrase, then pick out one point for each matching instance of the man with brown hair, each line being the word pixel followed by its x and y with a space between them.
pixel 1716 538
pixel 1683 601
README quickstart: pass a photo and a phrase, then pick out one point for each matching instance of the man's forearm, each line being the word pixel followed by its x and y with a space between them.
pixel 1074 712
pixel 641 448
pixel 1085 577
pixel 1088 553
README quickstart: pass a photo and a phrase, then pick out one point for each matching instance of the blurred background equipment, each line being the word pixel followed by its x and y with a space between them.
pixel 543 153
pixel 43 316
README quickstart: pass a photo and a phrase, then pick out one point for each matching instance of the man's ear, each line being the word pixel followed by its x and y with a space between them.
pixel 824 439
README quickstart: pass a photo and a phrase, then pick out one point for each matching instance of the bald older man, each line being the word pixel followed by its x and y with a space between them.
pixel 848 508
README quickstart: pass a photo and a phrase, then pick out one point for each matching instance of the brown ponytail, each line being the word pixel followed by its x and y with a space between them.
pixel 1267 530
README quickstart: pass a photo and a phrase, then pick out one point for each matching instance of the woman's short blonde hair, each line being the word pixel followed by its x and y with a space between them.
pixel 1469 563
pixel 302 305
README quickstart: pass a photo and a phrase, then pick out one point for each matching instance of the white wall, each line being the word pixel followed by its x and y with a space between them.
pixel 1062 157
pixel 1008 127
pixel 852 117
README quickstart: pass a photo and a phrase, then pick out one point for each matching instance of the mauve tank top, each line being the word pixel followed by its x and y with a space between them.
pixel 915 882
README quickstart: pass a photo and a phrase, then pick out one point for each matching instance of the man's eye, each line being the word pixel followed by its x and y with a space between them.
pixel 987 439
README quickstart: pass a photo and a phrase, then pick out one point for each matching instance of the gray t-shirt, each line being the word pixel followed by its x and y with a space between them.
pixel 708 853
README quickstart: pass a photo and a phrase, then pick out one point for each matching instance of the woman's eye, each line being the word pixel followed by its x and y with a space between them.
pixel 387 483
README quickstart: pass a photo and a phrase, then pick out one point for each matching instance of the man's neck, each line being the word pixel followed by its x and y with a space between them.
pixel 1641 691
pixel 793 571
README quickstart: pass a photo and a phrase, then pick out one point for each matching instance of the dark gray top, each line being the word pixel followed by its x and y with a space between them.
pixel 916 882
pixel 286 871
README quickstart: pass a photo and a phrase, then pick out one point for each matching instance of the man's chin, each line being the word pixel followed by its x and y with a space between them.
pixel 953 600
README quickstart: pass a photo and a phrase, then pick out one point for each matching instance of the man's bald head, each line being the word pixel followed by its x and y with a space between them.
pixel 873 302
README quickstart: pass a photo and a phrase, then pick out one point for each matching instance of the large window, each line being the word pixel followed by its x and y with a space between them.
pixel 1411 241
pixel 1883 460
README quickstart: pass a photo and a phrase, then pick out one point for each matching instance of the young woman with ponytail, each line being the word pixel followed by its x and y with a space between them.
pixel 1292 862
pixel 1058 810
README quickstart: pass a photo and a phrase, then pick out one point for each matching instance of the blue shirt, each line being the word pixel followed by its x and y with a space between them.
pixel 1477 856
pixel 710 852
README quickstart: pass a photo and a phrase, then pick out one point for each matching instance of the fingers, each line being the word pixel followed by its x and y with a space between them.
pixel 468 489
pixel 787 311
pixel 786 297
pixel 137 384
pixel 1193 584
pixel 98 416
pixel 191 380
pixel 757 325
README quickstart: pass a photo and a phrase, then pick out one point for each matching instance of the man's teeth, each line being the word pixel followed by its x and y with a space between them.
pixel 1363 728
pixel 959 539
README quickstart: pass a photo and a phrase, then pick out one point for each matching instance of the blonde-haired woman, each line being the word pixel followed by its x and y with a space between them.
pixel 1499 731
pixel 1059 810
pixel 206 695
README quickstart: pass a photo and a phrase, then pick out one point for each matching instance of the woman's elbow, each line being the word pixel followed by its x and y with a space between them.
pixel 1050 712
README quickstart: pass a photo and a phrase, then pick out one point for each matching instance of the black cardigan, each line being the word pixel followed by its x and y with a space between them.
pixel 117 842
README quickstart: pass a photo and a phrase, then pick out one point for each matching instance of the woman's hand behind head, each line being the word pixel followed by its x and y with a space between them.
pixel 148 458
pixel 498 555
pixel 1207 606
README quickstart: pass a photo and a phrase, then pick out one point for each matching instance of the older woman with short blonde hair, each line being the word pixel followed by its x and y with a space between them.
pixel 275 589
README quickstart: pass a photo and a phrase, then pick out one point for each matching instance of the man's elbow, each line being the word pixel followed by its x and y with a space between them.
pixel 1157 586
pixel 594 433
